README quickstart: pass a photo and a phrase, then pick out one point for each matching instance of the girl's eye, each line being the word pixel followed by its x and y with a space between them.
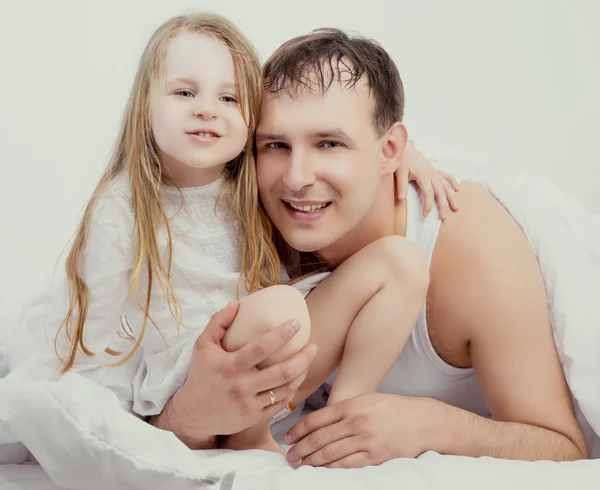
pixel 185 93
pixel 229 99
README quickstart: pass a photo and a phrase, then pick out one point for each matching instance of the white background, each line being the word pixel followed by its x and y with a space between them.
pixel 515 79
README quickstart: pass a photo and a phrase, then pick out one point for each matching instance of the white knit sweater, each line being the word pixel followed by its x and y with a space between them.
pixel 205 268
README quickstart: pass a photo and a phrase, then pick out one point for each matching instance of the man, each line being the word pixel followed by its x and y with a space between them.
pixel 480 375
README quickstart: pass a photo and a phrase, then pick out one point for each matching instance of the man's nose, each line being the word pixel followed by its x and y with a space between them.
pixel 300 173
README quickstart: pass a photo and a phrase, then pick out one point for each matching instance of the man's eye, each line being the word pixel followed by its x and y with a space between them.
pixel 331 144
pixel 185 93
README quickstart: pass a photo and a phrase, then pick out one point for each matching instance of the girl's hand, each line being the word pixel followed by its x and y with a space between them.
pixel 433 184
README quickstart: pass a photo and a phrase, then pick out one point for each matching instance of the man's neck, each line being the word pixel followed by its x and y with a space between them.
pixel 387 217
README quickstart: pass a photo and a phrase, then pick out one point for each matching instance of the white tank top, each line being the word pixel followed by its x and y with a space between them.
pixel 419 371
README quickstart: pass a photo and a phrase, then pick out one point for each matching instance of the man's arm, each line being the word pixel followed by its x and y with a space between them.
pixel 467 434
pixel 487 289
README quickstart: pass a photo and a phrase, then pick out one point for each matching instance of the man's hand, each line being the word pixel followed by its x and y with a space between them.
pixel 365 430
pixel 225 392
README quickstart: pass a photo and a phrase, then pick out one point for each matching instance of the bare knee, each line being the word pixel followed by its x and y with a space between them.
pixel 265 310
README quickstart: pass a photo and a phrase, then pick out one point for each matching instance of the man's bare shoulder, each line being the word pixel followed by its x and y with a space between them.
pixel 480 234
pixel 474 246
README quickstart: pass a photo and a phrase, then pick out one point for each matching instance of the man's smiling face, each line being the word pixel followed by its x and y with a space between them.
pixel 319 163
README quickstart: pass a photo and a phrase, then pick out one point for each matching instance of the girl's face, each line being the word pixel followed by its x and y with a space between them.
pixel 195 111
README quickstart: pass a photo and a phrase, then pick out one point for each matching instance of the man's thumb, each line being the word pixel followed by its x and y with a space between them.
pixel 220 322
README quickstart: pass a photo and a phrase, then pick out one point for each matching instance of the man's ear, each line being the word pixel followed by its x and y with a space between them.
pixel 393 145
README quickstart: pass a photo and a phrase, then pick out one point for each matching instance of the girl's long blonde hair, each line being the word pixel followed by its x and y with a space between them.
pixel 136 154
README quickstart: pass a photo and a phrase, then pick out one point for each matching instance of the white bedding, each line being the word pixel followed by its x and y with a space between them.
pixel 84 440
pixel 431 471
pixel 25 477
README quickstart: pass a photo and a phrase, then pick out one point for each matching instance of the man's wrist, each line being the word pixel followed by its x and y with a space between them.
pixel 175 418
pixel 441 431
pixel 457 431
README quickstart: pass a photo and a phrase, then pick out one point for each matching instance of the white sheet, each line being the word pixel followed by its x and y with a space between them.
pixel 431 471
pixel 83 439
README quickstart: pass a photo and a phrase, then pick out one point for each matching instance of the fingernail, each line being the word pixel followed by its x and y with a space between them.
pixel 402 195
pixel 294 325
pixel 287 439
pixel 315 349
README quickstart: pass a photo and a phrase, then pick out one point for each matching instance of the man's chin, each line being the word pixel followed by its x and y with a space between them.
pixel 303 243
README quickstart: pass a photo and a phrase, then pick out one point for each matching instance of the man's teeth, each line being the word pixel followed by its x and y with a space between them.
pixel 311 208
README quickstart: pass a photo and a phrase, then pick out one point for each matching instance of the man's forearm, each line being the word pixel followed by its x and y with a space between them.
pixel 174 421
pixel 463 433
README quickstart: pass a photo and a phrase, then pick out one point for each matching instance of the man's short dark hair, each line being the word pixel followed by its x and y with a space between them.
pixel 324 56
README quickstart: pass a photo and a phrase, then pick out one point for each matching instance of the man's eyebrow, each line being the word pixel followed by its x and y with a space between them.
pixel 260 137
pixel 333 133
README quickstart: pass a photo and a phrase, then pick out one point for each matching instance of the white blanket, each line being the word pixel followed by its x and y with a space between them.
pixel 84 440
pixel 82 437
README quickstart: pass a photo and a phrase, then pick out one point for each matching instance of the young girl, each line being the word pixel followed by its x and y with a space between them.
pixel 175 231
